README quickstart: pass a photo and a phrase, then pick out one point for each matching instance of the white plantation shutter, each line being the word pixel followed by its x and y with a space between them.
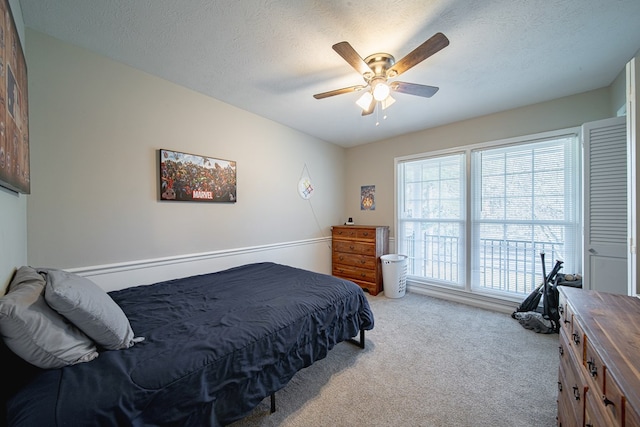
pixel 605 205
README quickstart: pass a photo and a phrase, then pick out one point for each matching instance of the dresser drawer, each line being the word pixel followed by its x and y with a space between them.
pixel 367 286
pixel 631 417
pixel 595 367
pixel 612 398
pixel 567 416
pixel 364 234
pixel 352 247
pixel 344 233
pixel 347 271
pixel 572 387
pixel 355 260
pixel 577 341
pixel 595 415
pixel 566 317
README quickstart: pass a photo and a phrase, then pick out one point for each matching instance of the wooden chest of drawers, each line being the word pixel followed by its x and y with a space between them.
pixel 599 374
pixel 356 254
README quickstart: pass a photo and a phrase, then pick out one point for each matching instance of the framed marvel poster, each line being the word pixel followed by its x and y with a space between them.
pixel 196 178
pixel 14 117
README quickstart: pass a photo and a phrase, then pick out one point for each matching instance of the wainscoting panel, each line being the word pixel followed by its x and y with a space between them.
pixel 312 254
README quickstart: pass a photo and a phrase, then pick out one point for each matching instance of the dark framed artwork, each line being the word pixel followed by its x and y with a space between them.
pixel 196 178
pixel 14 113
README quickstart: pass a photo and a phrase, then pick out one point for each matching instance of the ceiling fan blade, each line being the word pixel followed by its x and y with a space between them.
pixel 372 106
pixel 436 43
pixel 338 91
pixel 349 54
pixel 414 89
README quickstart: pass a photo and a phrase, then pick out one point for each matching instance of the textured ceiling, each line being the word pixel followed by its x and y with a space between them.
pixel 270 56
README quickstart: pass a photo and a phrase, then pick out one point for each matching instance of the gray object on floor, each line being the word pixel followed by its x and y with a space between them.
pixel 534 321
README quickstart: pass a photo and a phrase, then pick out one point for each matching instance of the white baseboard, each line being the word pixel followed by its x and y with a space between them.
pixel 311 254
pixel 476 300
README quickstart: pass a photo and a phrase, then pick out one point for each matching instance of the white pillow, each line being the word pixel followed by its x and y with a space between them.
pixel 89 307
pixel 34 331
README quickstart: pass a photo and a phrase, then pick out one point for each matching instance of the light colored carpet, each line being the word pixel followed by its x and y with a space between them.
pixel 427 362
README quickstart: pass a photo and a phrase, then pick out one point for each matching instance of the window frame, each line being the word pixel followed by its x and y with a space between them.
pixel 467 150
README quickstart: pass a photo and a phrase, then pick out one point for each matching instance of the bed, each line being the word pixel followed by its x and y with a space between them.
pixel 207 350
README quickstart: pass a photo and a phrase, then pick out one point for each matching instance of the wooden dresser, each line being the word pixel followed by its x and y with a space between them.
pixel 356 254
pixel 599 374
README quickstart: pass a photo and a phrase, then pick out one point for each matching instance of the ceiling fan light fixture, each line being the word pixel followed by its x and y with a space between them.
pixel 381 91
pixel 365 100
pixel 387 102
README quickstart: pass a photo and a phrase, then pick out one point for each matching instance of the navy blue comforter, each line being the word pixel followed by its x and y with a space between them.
pixel 215 346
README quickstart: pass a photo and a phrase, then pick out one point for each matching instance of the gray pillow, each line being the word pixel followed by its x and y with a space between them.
pixel 34 331
pixel 88 307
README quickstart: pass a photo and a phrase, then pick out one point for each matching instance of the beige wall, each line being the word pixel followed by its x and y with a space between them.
pixel 96 126
pixel 373 164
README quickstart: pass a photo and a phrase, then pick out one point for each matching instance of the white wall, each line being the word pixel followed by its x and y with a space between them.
pixel 13 207
pixel 96 126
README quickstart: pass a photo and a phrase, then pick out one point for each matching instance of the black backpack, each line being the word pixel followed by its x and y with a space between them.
pixel 550 300
pixel 530 314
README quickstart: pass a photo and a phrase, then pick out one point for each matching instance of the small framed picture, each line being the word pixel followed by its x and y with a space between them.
pixel 368 198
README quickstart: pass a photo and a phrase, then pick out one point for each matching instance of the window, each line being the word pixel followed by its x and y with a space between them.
pixel 510 200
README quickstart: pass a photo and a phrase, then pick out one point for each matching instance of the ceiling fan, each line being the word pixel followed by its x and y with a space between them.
pixel 379 68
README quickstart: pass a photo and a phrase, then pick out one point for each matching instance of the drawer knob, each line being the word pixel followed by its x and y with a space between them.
pixel 593 369
pixel 561 350
pixel 607 402
pixel 559 386
pixel 576 392
pixel 576 338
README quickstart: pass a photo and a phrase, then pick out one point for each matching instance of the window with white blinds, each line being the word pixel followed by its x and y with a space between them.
pixel 432 217
pixel 523 198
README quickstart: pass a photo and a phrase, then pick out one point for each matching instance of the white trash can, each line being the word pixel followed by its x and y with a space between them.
pixel 394 275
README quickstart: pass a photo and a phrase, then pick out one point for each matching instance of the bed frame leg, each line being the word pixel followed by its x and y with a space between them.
pixel 359 343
